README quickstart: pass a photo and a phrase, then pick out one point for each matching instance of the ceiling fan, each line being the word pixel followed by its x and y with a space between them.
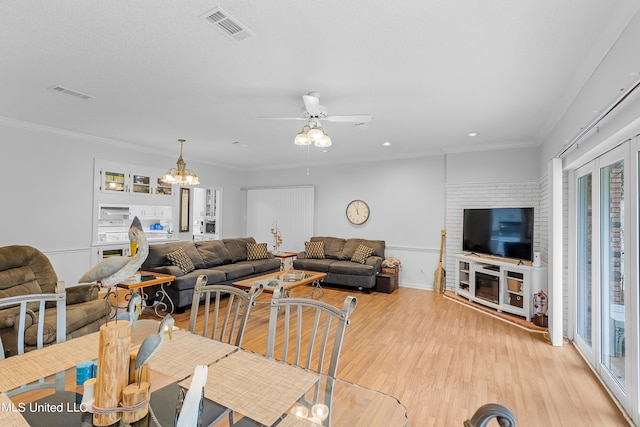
pixel 313 113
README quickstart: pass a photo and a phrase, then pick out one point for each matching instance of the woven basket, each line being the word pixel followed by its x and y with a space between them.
pixel 514 285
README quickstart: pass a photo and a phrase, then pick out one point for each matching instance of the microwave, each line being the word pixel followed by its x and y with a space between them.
pixel 209 226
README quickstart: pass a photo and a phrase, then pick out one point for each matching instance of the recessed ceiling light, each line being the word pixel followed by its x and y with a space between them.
pixel 386 144
pixel 472 134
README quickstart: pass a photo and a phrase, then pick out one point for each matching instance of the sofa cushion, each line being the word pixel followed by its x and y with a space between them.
pixel 213 252
pixel 82 293
pixel 238 247
pixel 361 254
pixel 314 250
pixel 188 281
pixel 319 265
pixel 268 264
pixel 9 317
pixel 332 246
pixel 236 270
pixel 78 315
pixel 158 254
pixel 20 264
pixel 256 251
pixel 352 268
pixel 26 288
pixel 352 244
pixel 182 260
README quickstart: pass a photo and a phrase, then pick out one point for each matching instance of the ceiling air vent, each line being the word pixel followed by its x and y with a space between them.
pixel 70 92
pixel 227 25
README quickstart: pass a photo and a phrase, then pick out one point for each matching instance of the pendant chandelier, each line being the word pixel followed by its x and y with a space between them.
pixel 181 175
pixel 312 135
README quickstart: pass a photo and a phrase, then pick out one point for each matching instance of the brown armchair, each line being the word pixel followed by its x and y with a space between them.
pixel 25 270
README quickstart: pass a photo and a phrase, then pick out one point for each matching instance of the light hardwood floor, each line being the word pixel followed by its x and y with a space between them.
pixel 443 360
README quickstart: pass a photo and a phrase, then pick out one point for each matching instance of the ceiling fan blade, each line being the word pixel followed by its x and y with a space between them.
pixel 356 118
pixel 312 104
pixel 283 118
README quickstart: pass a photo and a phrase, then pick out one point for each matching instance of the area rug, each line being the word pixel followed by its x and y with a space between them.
pixel 515 320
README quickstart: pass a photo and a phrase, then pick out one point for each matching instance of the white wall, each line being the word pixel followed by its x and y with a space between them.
pixel 47 200
pixel 406 198
pixel 518 164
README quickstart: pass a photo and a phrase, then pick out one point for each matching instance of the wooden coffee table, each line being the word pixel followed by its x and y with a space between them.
pixel 310 278
pixel 160 279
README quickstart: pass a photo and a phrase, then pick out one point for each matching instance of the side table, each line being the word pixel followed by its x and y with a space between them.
pixel 286 259
pixel 395 272
pixel 164 303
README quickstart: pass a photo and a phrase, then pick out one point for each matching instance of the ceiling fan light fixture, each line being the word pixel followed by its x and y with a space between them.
pixel 302 138
pixel 323 142
pixel 315 135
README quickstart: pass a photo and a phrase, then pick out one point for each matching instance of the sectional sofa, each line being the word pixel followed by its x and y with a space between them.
pixel 222 261
pixel 348 262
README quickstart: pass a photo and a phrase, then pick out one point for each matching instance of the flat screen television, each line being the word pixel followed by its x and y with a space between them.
pixel 504 232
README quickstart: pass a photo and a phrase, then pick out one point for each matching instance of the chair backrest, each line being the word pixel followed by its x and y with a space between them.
pixel 488 412
pixel 24 307
pixel 313 323
pixel 234 304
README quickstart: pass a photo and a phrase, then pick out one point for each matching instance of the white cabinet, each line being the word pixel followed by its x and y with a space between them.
pixel 499 283
pixel 114 221
pixel 117 178
pixel 150 212
pixel 206 221
pixel 117 181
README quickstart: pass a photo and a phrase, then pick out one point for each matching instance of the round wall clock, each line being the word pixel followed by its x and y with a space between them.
pixel 357 212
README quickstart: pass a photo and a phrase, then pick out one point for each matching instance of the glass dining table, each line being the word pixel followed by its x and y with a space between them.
pixel 250 384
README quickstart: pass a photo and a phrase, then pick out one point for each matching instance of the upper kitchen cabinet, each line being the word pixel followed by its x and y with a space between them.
pixel 117 178
pixel 162 188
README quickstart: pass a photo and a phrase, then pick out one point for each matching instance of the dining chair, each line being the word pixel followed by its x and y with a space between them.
pixel 235 305
pixel 486 413
pixel 307 333
pixel 29 309
pixel 306 326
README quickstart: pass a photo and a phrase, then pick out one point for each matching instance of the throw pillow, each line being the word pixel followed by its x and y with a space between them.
pixel 180 259
pixel 256 251
pixel 361 254
pixel 314 250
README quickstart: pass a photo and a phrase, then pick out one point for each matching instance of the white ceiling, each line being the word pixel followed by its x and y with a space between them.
pixel 428 71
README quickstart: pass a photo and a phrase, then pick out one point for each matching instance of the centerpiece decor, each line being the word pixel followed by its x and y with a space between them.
pixel 113 370
pixel 277 237
pixel 117 393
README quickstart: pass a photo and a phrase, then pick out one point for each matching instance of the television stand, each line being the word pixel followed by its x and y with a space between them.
pixel 499 283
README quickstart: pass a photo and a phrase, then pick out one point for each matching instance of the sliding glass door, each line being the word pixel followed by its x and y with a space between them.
pixel 612 272
pixel 605 272
pixel 584 261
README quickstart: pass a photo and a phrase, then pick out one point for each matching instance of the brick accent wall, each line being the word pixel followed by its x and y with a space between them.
pixel 489 195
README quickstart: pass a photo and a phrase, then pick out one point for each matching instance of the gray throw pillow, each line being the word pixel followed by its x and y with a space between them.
pixel 181 259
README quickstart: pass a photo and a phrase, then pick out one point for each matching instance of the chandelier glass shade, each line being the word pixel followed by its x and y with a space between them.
pixel 312 135
pixel 181 175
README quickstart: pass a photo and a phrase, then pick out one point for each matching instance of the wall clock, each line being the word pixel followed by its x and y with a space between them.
pixel 357 212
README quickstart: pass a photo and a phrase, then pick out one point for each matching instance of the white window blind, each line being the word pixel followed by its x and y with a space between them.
pixel 290 207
